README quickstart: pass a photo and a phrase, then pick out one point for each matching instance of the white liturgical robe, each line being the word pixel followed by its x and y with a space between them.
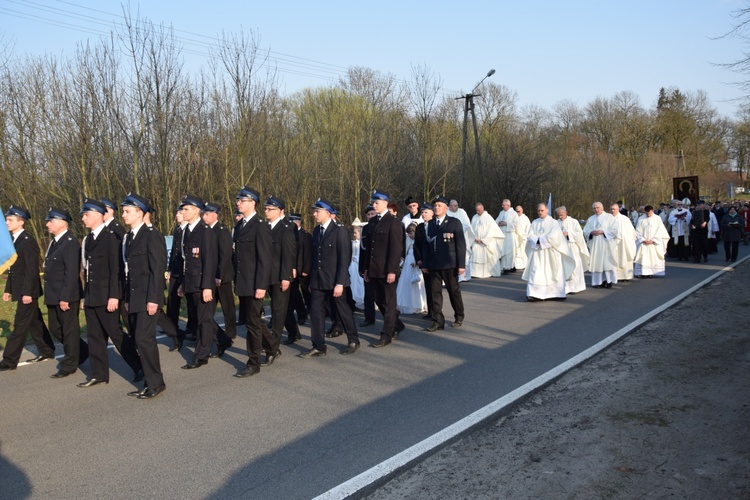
pixel 461 215
pixel 522 233
pixel 577 243
pixel 625 247
pixel 602 248
pixel 485 252
pixel 550 262
pixel 508 253
pixel 649 257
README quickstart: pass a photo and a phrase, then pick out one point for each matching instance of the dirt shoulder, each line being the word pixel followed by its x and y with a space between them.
pixel 663 413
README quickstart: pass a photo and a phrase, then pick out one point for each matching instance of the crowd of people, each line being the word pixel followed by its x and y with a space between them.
pixel 392 265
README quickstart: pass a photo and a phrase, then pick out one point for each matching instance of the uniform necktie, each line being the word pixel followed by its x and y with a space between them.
pixel 128 240
pixel 89 241
pixel 322 232
pixel 377 218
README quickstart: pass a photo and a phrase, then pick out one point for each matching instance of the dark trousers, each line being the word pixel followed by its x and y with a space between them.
pixel 174 301
pixel 225 297
pixel 428 294
pixel 682 250
pixel 369 301
pixel 144 331
pixel 385 298
pixel 258 335
pixel 450 277
pixel 699 242
pixel 318 318
pixel 28 319
pixel 64 326
pixel 296 299
pixel 205 326
pixel 164 322
pixel 102 325
pixel 280 316
pixel 731 249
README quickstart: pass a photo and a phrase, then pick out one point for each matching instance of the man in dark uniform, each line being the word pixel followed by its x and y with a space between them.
pixel 174 277
pixel 369 299
pixel 699 227
pixel 252 264
pixel 445 260
pixel 299 298
pixel 63 291
pixel 284 253
pixel 24 287
pixel 145 258
pixel 224 278
pixel 102 256
pixel 201 253
pixel 380 263
pixel 332 253
pixel 420 252
pixel 109 219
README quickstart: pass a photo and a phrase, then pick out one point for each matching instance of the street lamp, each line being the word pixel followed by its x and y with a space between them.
pixel 469 107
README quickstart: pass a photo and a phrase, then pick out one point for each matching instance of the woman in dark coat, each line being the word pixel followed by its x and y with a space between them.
pixel 732 224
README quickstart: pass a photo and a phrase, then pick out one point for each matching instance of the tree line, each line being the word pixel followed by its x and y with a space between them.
pixel 123 114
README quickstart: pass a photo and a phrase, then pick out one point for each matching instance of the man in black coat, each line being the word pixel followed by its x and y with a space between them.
pixel 224 278
pixel 329 277
pixel 420 252
pixel 299 297
pixel 102 292
pixel 445 260
pixel 175 269
pixel 145 257
pixel 283 265
pixel 63 291
pixel 380 262
pixel 252 264
pixel 24 287
pixel 200 251
pixel 369 298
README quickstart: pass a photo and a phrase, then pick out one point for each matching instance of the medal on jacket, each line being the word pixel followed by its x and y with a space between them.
pixel 447 236
pixel 196 252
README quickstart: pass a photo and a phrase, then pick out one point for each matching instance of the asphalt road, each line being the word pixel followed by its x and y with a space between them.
pixel 300 427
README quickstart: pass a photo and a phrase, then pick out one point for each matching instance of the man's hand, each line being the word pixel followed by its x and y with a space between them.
pixel 390 278
pixel 151 308
pixel 27 299
pixel 208 295
pixel 64 306
pixel 284 285
pixel 6 297
pixel 338 291
pixel 366 277
pixel 259 294
pixel 180 292
pixel 112 305
pixel 461 270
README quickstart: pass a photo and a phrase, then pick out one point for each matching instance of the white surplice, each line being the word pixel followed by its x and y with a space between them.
pixel 485 256
pixel 508 252
pixel 602 248
pixel 550 262
pixel 522 233
pixel 625 247
pixel 649 259
pixel 461 215
pixel 577 243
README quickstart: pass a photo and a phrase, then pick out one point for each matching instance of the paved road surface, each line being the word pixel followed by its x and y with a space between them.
pixel 300 427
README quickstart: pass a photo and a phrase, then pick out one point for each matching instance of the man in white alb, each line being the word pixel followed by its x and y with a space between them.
pixel 600 232
pixel 485 258
pixel 550 262
pixel 507 221
pixel 522 232
pixel 460 214
pixel 572 231
pixel 625 243
pixel 652 245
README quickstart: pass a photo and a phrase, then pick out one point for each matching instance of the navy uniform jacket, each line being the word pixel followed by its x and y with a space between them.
pixel 116 228
pixel 381 253
pixel 420 245
pixel 146 259
pixel 176 263
pixel 23 276
pixel 200 251
pixel 102 269
pixel 225 268
pixel 252 256
pixel 445 252
pixel 284 251
pixel 330 258
pixel 62 268
pixel 304 252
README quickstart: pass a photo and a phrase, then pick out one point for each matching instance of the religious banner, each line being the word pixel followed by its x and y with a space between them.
pixel 686 187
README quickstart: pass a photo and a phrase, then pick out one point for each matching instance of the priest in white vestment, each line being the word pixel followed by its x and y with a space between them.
pixel 522 233
pixel 460 214
pixel 550 262
pixel 625 243
pixel 414 212
pixel 652 245
pixel 507 220
pixel 600 232
pixel 572 231
pixel 485 252
pixel 679 219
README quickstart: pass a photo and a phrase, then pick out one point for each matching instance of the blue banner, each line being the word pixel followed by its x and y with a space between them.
pixel 7 250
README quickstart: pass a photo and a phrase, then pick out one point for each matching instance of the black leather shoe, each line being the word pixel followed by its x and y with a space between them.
pixel 312 353
pixel 6 368
pixel 457 323
pixel 435 326
pixel 380 343
pixel 608 285
pixel 367 322
pixel 139 392
pixel 93 382
pixel 351 348
pixel 332 334
pixel 291 340
pixel 426 316
pixel 191 337
pixel 399 328
pixel 221 349
pixel 270 359
pixel 60 374
pixel 177 343
pixel 138 376
pixel 151 394
pixel 247 372
pixel 301 321
pixel 40 358
pixel 196 363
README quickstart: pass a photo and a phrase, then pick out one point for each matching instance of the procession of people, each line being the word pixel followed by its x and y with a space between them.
pixel 394 266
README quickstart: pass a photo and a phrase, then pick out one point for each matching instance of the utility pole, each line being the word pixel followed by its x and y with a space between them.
pixel 469 108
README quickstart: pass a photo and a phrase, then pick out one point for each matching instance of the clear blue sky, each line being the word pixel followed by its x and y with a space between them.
pixel 546 51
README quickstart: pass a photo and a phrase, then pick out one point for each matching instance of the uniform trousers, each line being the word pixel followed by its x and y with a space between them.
pixel 28 319
pixel 369 302
pixel 102 325
pixel 280 310
pixel 144 331
pixel 318 318
pixel 258 335
pixel 64 326
pixel 205 325
pixel 296 299
pixel 450 277
pixel 385 298
pixel 699 241
pixel 225 297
